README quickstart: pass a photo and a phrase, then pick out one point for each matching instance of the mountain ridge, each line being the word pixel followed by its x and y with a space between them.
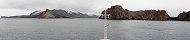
pixel 54 14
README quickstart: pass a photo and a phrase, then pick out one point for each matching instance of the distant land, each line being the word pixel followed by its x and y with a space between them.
pixel 54 14
pixel 113 13
pixel 118 13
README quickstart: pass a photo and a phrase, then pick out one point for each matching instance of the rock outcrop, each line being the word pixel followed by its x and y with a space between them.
pixel 53 14
pixel 185 16
pixel 115 12
pixel 118 13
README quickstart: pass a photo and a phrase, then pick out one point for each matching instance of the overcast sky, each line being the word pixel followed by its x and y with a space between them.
pixel 22 7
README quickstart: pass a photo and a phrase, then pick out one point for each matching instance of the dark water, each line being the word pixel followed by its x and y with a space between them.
pixel 92 29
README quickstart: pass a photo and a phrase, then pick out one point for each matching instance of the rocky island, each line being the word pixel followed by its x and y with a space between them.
pixel 184 16
pixel 118 13
pixel 54 14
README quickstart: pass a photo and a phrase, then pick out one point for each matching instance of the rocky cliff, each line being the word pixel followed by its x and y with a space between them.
pixel 118 13
pixel 53 14
pixel 185 16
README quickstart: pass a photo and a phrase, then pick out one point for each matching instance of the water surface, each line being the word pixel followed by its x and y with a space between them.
pixel 92 29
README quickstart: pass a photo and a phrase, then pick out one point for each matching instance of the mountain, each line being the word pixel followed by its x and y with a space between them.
pixel 54 14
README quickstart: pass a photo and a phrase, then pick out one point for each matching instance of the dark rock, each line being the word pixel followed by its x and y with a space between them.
pixel 118 13
pixel 185 16
pixel 173 18
pixel 3 16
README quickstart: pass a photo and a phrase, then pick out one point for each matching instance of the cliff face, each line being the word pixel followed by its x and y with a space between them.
pixel 52 14
pixel 115 12
pixel 148 15
pixel 185 16
pixel 118 13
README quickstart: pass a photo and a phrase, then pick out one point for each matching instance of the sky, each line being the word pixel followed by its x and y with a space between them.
pixel 25 7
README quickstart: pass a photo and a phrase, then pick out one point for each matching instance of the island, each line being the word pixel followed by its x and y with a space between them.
pixel 118 13
pixel 54 14
pixel 184 16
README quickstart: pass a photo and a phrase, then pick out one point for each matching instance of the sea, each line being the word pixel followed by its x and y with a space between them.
pixel 91 29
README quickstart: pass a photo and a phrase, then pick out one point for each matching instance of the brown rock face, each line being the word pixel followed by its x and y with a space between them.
pixel 115 12
pixel 148 15
pixel 118 13
pixel 185 16
pixel 46 14
pixel 50 14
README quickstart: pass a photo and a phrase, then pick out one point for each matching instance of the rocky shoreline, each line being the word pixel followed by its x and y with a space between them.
pixel 118 13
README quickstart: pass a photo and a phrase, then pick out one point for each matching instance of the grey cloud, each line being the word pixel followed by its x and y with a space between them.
pixel 30 4
pixel 96 6
pixel 87 6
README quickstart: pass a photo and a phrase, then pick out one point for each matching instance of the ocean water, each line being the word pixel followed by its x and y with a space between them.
pixel 92 29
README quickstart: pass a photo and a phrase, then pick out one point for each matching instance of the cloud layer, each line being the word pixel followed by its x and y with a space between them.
pixel 173 7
